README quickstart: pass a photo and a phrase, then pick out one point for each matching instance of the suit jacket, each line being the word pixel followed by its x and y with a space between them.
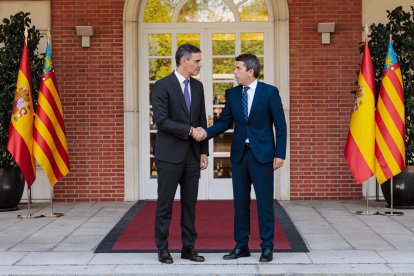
pixel 173 120
pixel 266 111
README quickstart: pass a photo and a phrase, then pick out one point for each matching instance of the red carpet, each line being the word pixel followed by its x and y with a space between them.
pixel 214 224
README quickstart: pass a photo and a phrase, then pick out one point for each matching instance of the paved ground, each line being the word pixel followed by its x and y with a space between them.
pixel 340 243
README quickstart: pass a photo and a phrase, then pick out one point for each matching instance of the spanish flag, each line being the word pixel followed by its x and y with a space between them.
pixel 360 144
pixel 20 141
pixel 50 147
pixel 390 121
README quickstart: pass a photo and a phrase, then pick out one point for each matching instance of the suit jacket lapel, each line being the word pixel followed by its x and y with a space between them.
pixel 194 97
pixel 256 98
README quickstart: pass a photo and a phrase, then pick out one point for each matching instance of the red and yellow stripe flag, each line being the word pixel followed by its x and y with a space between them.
pixel 390 121
pixel 50 147
pixel 359 149
pixel 20 141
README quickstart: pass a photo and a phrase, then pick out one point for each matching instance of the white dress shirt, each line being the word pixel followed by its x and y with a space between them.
pixel 181 80
pixel 250 96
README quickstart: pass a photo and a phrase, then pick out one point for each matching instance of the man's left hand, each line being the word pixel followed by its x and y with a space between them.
pixel 277 163
pixel 203 161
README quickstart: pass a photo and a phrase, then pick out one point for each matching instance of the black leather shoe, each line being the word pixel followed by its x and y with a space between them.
pixel 267 255
pixel 190 254
pixel 237 253
pixel 164 256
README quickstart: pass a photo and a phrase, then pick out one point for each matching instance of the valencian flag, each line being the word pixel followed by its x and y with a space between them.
pixel 359 149
pixel 390 120
pixel 50 147
pixel 20 142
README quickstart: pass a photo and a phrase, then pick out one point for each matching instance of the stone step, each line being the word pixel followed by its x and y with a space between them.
pixel 212 270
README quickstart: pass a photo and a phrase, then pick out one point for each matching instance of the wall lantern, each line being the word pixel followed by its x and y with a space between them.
pixel 326 29
pixel 85 32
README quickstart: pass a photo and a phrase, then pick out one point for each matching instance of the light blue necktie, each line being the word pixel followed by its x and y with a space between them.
pixel 245 103
pixel 187 95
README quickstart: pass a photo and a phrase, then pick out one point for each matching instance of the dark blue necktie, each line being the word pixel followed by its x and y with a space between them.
pixel 187 95
pixel 245 102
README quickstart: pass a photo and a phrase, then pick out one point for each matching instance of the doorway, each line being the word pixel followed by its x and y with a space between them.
pixel 219 48
pixel 149 50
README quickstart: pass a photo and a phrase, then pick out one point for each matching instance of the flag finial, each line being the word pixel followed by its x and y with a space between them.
pixel 26 34
pixel 366 32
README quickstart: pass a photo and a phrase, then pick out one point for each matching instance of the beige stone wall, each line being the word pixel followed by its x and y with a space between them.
pixel 40 14
pixel 375 11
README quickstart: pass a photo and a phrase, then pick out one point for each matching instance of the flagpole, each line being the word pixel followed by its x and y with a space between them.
pixel 53 214
pixel 48 35
pixel 392 196
pixel 29 189
pixel 392 213
pixel 366 196
pixel 366 33
pixel 366 212
pixel 29 199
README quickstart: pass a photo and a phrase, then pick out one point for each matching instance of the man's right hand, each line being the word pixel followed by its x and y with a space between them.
pixel 199 134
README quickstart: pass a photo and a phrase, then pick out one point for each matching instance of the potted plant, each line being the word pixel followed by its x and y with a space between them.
pixel 402 25
pixel 11 46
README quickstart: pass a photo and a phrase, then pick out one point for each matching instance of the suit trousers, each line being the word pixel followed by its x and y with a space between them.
pixel 187 174
pixel 244 173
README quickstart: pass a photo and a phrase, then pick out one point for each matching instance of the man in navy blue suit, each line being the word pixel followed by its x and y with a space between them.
pixel 254 108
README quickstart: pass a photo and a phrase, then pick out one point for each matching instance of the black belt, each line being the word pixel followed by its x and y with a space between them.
pixel 247 145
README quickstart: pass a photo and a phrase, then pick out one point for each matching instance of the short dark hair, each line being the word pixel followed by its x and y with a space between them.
pixel 185 51
pixel 251 62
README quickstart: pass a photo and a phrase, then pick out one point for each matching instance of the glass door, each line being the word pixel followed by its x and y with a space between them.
pixel 221 50
pixel 159 53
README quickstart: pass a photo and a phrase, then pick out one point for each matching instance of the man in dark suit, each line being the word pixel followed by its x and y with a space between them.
pixel 178 105
pixel 254 108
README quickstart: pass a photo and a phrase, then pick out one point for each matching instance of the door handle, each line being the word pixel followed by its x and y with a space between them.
pixel 210 121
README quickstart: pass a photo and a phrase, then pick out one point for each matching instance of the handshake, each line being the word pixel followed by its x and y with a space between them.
pixel 198 134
